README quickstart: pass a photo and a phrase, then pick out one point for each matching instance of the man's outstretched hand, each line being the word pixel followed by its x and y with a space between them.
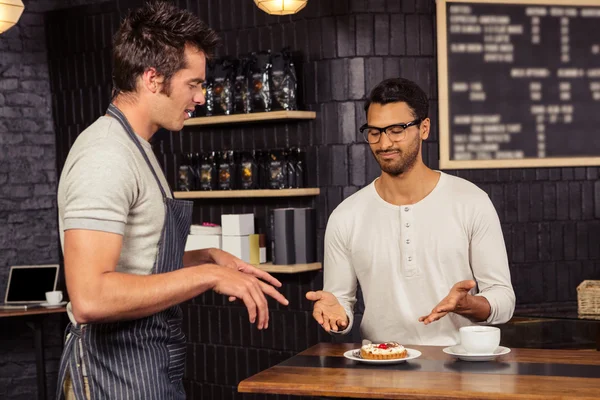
pixel 328 311
pixel 456 301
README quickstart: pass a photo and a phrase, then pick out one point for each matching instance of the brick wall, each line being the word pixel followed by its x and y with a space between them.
pixel 548 215
pixel 28 230
pixel 28 178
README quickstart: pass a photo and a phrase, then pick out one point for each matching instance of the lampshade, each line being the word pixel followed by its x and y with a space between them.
pixel 280 7
pixel 10 12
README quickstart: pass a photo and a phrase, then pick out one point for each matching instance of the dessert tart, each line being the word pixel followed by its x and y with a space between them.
pixel 383 351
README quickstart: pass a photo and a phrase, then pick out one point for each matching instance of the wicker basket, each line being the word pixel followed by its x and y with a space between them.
pixel 588 298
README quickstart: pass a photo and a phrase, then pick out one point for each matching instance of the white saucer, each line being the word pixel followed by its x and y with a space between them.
pixel 460 353
pixel 45 304
pixel 355 356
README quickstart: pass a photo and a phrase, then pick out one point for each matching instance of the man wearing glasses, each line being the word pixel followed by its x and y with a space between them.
pixel 424 246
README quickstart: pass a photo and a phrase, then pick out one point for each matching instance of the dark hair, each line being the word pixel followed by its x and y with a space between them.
pixel 155 35
pixel 400 90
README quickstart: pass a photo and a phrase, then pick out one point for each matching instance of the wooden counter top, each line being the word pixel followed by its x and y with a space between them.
pixel 522 374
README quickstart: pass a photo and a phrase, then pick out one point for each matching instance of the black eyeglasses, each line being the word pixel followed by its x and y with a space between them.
pixel 395 132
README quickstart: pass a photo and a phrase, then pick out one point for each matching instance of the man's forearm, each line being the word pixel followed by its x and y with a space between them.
pixel 118 296
pixel 476 308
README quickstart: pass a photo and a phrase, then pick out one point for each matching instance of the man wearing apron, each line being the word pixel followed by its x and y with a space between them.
pixel 123 235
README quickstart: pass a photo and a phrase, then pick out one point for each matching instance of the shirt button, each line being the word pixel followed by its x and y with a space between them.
pixel 406 208
pixel 407 241
pixel 408 224
pixel 409 258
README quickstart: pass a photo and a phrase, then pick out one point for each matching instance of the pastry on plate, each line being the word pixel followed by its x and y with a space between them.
pixel 383 351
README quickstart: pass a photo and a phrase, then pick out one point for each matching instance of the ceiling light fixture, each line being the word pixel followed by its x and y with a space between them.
pixel 10 12
pixel 280 7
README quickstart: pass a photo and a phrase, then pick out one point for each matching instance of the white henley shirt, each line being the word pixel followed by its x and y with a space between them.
pixel 407 258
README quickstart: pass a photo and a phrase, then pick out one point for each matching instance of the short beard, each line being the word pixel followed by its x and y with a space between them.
pixel 407 160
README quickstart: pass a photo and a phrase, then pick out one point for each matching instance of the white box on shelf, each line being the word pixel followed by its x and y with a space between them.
pixel 237 224
pixel 205 230
pixel 199 242
pixel 239 246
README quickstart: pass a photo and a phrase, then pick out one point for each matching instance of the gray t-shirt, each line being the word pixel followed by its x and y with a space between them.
pixel 106 185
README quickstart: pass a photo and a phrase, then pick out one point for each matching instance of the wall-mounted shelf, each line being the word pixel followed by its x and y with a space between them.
pixel 289 269
pixel 252 117
pixel 232 194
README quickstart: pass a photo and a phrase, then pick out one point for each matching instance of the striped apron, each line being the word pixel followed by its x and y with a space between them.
pixel 143 358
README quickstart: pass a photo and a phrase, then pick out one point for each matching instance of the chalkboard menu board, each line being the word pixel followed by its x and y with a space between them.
pixel 519 83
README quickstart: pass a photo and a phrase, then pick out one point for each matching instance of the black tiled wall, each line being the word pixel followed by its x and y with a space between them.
pixel 548 215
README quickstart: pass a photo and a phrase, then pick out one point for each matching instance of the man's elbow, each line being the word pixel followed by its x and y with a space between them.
pixel 85 311
pixel 508 305
pixel 502 304
pixel 512 303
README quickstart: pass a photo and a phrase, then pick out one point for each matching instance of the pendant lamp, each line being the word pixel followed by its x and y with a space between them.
pixel 10 12
pixel 280 7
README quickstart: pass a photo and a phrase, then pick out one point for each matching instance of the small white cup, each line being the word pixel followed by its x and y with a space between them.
pixel 54 297
pixel 479 339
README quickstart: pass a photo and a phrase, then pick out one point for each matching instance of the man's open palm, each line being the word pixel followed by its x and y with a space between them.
pixel 328 311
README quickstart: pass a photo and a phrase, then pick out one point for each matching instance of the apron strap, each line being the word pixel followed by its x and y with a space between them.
pixel 70 363
pixel 114 112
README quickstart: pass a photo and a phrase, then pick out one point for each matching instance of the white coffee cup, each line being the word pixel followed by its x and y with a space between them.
pixel 54 297
pixel 479 339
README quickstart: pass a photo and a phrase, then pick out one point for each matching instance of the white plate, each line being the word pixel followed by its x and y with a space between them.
pixel 45 304
pixel 355 356
pixel 460 353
